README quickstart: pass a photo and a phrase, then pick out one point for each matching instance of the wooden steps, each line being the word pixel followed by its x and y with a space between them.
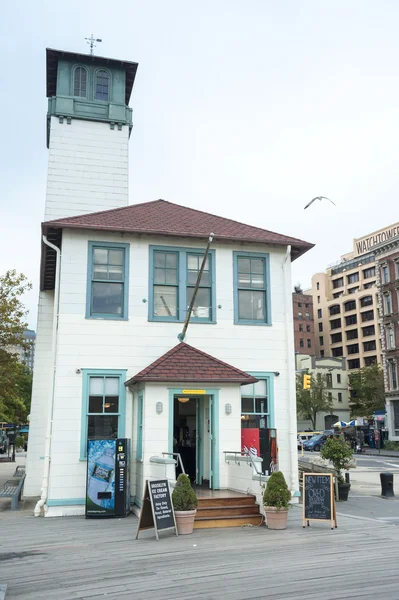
pixel 227 511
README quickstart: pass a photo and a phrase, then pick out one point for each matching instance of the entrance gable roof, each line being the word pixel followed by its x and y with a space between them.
pixel 188 364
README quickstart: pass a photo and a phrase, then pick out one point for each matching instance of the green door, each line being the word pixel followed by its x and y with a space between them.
pixel 211 442
pixel 199 450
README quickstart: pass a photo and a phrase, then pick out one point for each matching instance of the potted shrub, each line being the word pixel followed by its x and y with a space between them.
pixel 185 504
pixel 276 501
pixel 340 454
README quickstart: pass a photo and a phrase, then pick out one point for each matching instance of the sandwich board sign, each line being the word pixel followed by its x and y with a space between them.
pixel 157 508
pixel 318 499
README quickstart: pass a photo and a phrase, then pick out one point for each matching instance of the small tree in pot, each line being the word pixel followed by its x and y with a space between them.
pixel 340 454
pixel 276 501
pixel 185 504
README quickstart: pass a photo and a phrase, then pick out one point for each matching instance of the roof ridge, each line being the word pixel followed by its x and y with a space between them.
pixel 101 212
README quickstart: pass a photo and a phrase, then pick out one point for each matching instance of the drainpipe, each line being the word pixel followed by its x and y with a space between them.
pixel 49 428
pixel 291 376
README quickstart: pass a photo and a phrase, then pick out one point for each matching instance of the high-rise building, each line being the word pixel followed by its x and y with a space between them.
pixel 387 271
pixel 302 306
pixel 27 354
pixel 345 301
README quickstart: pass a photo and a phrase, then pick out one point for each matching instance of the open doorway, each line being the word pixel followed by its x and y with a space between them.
pixel 191 437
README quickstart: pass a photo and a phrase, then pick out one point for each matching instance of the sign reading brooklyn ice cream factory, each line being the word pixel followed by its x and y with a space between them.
pixel 367 243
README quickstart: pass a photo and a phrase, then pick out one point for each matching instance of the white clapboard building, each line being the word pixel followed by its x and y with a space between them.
pixel 116 283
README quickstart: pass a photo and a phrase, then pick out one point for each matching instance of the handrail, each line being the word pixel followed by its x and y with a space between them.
pixel 244 453
pixel 179 460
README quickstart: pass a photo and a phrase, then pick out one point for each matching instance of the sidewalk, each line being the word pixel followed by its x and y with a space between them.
pixel 74 558
pixel 382 452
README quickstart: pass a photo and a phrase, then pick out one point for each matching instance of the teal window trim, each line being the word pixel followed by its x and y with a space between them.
pixel 268 312
pixel 95 74
pixel 268 376
pixel 74 68
pixel 86 374
pixel 116 246
pixel 139 442
pixel 215 426
pixel 66 501
pixel 182 303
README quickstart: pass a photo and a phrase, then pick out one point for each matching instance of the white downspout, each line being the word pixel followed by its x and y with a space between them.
pixel 49 427
pixel 291 376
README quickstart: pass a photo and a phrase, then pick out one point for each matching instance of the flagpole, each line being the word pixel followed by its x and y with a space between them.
pixel 182 335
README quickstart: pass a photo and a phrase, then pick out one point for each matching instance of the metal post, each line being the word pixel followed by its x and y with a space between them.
pixel 182 335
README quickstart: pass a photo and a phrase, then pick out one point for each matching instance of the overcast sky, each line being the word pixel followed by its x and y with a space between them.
pixel 245 109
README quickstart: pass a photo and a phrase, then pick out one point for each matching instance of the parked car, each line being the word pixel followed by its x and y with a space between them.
pixel 315 442
pixel 4 442
pixel 304 436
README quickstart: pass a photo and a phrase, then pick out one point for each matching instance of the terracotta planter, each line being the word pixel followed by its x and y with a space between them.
pixel 276 519
pixel 185 521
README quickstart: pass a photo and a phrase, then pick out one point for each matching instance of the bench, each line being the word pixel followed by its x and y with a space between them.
pixel 19 471
pixel 13 489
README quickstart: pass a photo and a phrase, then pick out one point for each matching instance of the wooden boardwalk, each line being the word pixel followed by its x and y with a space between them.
pixel 72 558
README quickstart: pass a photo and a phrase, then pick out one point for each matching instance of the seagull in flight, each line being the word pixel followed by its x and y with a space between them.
pixel 318 198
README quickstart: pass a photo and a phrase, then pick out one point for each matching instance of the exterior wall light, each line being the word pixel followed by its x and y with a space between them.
pixel 228 409
pixel 159 408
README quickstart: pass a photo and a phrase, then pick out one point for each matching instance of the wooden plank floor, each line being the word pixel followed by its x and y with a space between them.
pixel 72 558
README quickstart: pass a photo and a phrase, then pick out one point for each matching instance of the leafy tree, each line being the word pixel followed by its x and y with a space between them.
pixel 15 377
pixel 339 453
pixel 12 311
pixel 368 390
pixel 310 402
pixel 15 389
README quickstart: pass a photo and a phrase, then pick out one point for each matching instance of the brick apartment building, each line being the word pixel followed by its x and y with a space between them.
pixel 302 305
pixel 387 272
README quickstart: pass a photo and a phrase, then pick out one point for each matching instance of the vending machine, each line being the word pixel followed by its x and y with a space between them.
pixel 108 478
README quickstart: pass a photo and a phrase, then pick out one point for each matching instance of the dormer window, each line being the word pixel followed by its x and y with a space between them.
pixel 102 85
pixel 80 82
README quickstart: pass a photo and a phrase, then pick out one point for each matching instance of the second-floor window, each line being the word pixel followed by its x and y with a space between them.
pixel 80 82
pixel 251 289
pixel 173 276
pixel 107 281
pixel 101 91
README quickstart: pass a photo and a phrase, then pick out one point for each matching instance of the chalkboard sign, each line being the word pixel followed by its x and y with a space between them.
pixel 318 498
pixel 157 508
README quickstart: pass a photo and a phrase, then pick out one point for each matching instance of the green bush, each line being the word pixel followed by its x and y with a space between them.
pixel 339 453
pixel 277 493
pixel 19 442
pixel 390 445
pixel 183 496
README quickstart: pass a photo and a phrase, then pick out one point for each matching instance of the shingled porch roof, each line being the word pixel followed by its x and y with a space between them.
pixel 185 363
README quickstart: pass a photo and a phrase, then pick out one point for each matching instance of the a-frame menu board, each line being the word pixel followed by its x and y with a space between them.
pixel 157 508
pixel 318 499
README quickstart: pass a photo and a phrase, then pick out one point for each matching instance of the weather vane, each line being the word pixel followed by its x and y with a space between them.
pixel 91 43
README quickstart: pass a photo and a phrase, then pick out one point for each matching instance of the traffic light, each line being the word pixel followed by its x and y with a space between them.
pixel 306 382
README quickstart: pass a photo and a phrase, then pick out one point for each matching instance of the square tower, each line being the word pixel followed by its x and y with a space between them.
pixel 88 128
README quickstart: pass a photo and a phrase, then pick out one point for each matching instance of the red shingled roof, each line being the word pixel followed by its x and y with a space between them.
pixel 187 364
pixel 165 218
